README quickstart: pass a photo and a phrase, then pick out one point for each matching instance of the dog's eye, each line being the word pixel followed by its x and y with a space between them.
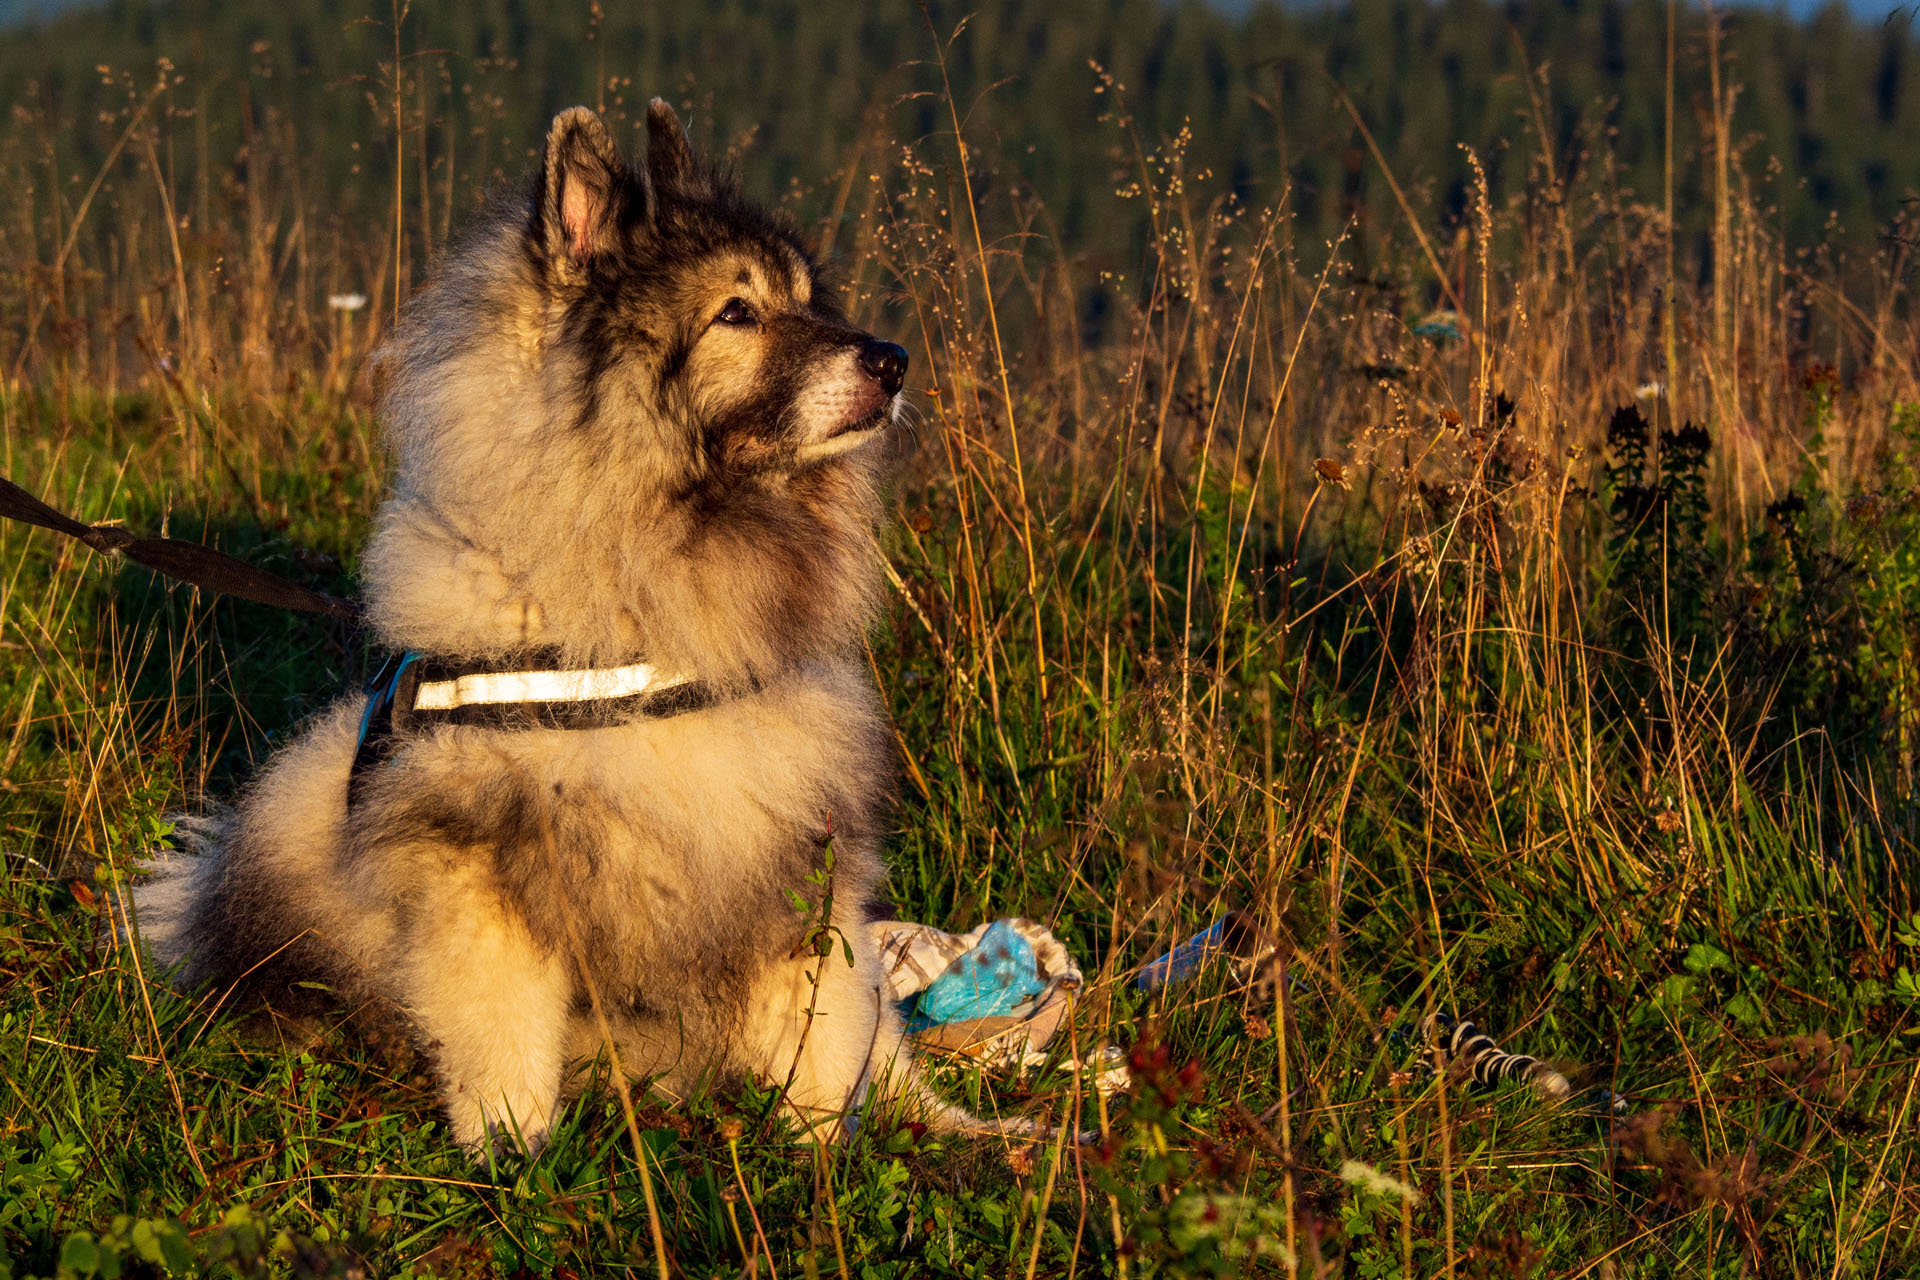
pixel 735 312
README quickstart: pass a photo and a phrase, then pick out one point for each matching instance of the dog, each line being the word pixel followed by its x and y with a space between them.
pixel 638 778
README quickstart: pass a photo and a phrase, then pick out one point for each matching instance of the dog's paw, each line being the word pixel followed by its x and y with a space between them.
pixel 497 1136
pixel 503 1148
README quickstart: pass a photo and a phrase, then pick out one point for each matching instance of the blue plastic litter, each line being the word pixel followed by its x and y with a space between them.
pixel 986 982
pixel 1185 958
pixel 1441 326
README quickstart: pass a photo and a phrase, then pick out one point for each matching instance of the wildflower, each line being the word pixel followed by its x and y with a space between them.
pixel 346 301
pixel 1650 391
pixel 1371 1179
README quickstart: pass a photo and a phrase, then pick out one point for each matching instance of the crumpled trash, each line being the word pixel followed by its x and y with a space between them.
pixel 998 994
pixel 1002 991
pixel 987 982
pixel 1441 326
pixel 1233 935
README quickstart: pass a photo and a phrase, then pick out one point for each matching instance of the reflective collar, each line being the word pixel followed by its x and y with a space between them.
pixel 495 687
pixel 413 691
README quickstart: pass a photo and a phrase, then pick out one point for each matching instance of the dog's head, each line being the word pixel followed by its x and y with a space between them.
pixel 628 417
pixel 682 303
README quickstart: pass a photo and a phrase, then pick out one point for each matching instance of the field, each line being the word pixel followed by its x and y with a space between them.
pixel 1517 613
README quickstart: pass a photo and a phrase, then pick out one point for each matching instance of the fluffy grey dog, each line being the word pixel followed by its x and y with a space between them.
pixel 636 444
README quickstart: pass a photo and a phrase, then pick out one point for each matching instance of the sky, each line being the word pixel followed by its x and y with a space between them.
pixel 14 11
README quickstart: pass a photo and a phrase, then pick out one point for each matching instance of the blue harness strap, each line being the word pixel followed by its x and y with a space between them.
pixel 394 682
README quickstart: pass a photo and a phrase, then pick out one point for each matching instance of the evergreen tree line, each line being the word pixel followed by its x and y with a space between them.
pixel 1065 102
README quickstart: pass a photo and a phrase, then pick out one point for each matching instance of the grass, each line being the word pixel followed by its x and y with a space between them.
pixel 1270 591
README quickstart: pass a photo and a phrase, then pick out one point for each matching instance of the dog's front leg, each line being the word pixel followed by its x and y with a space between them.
pixel 493 1005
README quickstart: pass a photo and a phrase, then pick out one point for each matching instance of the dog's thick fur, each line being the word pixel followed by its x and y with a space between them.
pixel 630 424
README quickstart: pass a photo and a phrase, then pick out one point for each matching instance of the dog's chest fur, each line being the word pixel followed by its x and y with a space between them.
pixel 665 849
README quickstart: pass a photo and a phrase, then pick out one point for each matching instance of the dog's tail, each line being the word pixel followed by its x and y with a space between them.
pixel 159 911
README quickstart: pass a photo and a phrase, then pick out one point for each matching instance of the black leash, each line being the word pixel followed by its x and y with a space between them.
pixel 187 562
pixel 393 713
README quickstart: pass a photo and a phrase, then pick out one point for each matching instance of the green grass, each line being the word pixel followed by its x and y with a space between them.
pixel 1739 973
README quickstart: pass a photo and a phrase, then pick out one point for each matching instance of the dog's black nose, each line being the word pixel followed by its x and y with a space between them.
pixel 886 364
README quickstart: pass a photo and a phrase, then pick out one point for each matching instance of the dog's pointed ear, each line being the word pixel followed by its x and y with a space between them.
pixel 586 190
pixel 670 162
